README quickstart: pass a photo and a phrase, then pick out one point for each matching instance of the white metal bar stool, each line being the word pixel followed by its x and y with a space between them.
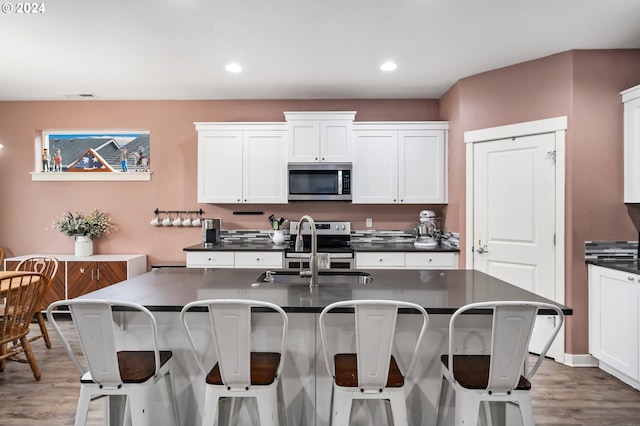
pixel 372 372
pixel 239 370
pixel 498 376
pixel 112 370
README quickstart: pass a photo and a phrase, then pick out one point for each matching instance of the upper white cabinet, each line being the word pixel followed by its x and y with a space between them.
pixel 631 100
pixel 400 162
pixel 242 163
pixel 320 136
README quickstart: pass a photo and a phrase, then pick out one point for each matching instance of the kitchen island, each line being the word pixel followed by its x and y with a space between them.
pixel 306 384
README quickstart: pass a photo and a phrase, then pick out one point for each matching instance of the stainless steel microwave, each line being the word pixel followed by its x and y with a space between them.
pixel 319 181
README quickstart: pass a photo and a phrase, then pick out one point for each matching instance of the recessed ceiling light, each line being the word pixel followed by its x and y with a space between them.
pixel 388 66
pixel 233 67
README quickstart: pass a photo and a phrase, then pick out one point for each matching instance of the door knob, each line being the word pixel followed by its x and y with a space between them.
pixel 481 248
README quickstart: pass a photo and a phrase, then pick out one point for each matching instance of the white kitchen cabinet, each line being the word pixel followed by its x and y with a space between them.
pixel 406 260
pixel 258 259
pixel 613 322
pixel 431 260
pixel 242 163
pixel 210 259
pixel 235 259
pixel 400 163
pixel 320 136
pixel 631 100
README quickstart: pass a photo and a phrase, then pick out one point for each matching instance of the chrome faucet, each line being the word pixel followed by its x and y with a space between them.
pixel 313 266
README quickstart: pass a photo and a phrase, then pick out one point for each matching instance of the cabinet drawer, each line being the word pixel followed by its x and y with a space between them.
pixel 210 259
pixel 431 261
pixel 258 259
pixel 380 260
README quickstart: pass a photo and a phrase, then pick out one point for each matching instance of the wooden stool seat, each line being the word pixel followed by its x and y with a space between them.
pixel 138 366
pixel 346 369
pixel 263 365
pixel 472 371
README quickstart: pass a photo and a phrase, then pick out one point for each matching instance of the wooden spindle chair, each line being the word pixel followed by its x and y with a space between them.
pixel 48 266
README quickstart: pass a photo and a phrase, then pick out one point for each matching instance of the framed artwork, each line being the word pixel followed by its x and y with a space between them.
pixel 115 154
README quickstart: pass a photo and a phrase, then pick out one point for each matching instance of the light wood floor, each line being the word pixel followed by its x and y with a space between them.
pixel 561 395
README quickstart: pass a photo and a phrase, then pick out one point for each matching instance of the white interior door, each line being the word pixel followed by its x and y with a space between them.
pixel 514 216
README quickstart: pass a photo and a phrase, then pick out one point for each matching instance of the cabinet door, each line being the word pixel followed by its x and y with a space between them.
pixel 421 167
pixel 431 260
pixel 108 273
pixel 375 167
pixel 258 259
pixel 336 141
pixel 304 141
pixel 210 259
pixel 380 260
pixel 265 167
pixel 81 278
pixel 632 150
pixel 613 318
pixel 220 167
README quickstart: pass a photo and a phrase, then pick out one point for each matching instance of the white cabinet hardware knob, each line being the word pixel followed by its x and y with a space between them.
pixel 631 279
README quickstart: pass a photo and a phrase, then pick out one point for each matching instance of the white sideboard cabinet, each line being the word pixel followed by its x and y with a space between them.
pixel 325 137
pixel 613 322
pixel 400 163
pixel 631 100
pixel 242 163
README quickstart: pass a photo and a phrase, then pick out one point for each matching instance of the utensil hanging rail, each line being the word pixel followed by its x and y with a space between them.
pixel 157 211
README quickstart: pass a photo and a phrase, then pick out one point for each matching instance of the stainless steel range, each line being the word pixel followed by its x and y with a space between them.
pixel 334 239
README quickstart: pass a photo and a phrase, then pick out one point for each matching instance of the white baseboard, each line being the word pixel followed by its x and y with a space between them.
pixel 580 360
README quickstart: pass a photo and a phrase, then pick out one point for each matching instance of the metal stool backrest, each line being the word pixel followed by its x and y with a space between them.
pixel 94 323
pixel 375 325
pixel 512 327
pixel 231 324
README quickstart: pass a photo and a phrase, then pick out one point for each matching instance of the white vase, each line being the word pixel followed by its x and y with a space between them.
pixel 84 245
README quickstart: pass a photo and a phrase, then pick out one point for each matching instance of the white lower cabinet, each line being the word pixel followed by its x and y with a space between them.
pixel 237 259
pixel 258 259
pixel 407 260
pixel 613 322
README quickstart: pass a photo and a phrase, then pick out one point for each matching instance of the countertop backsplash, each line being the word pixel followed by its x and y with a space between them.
pixel 357 236
pixel 611 250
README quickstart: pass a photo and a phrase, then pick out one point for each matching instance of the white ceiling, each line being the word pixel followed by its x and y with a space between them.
pixel 289 49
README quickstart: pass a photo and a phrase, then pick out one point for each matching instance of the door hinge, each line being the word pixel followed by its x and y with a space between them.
pixel 554 239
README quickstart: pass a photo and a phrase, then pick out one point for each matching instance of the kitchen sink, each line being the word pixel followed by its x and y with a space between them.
pixel 325 277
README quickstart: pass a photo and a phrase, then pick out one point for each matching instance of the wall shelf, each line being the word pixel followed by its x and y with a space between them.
pixel 89 176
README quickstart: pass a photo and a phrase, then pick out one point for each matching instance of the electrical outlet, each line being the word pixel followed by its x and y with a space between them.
pixel 369 222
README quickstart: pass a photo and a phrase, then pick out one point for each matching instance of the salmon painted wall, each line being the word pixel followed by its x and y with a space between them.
pixel 585 86
pixel 27 207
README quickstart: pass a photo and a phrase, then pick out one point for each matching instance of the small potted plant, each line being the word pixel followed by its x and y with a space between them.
pixel 83 228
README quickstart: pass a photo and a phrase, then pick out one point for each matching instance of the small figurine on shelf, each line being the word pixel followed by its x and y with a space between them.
pixel 123 159
pixel 57 161
pixel 45 160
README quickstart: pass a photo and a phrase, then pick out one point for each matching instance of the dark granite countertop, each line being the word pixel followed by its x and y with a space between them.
pixel 240 246
pixel 438 291
pixel 400 247
pixel 358 247
pixel 626 265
